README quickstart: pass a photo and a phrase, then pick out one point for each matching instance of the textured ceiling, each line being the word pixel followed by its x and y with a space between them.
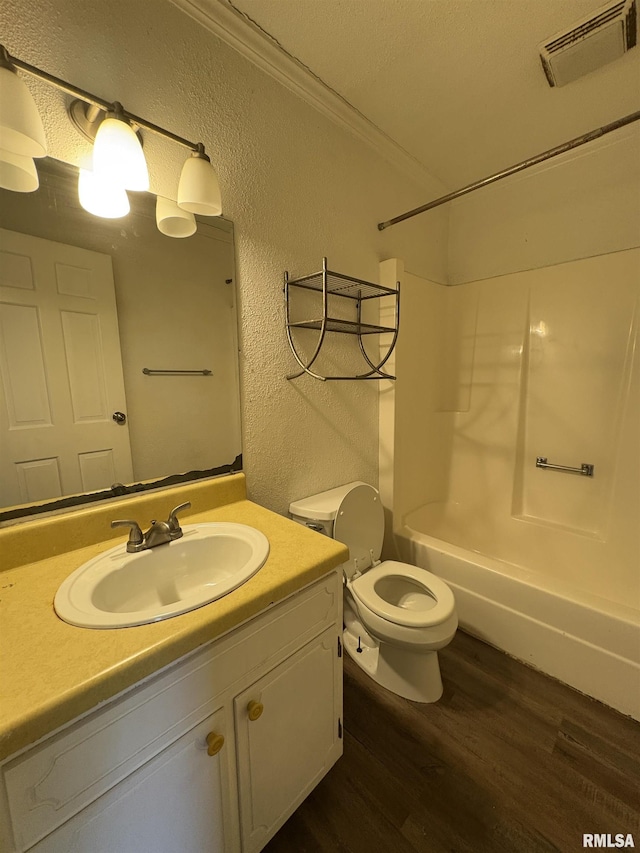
pixel 456 83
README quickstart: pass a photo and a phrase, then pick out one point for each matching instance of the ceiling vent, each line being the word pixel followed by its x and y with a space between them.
pixel 593 42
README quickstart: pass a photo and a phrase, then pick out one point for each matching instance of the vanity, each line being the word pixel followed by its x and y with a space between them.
pixel 204 731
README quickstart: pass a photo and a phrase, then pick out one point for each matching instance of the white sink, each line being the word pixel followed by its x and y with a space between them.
pixel 119 590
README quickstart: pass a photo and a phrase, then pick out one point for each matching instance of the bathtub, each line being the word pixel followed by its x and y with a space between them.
pixel 581 639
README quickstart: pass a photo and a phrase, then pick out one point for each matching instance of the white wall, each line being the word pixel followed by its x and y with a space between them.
pixel 577 205
pixel 296 186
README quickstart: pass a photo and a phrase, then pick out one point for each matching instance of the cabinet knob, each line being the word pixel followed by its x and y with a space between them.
pixel 254 710
pixel 215 742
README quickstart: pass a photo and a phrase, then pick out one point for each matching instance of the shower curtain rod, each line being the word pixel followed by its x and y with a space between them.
pixel 525 164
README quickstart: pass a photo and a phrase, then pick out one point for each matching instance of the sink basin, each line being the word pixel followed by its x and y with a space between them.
pixel 118 589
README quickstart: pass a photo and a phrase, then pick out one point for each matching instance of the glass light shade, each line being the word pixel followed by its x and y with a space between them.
pixel 102 197
pixel 198 190
pixel 173 220
pixel 18 173
pixel 21 130
pixel 117 155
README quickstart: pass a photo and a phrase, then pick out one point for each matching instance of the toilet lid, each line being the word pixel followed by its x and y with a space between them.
pixel 421 588
pixel 360 525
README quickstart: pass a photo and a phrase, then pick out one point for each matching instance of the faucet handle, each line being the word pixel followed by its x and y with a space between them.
pixel 174 524
pixel 136 539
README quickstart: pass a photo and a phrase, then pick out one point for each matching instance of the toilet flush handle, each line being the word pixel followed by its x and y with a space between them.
pixel 313 525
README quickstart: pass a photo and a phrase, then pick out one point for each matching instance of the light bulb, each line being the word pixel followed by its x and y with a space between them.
pixel 117 154
pixel 102 197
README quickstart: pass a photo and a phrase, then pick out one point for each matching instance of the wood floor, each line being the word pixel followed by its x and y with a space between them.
pixel 508 760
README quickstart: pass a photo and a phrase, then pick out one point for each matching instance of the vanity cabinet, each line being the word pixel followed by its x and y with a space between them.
pixel 174 802
pixel 213 753
pixel 286 737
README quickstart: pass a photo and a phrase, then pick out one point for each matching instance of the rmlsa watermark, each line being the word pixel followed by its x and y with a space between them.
pixel 593 839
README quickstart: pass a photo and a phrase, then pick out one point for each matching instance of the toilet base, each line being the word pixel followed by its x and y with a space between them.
pixel 412 675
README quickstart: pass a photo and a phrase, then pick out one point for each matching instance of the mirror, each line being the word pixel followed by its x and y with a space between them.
pixel 118 349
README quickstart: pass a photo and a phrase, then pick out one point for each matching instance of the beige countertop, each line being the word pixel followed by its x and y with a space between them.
pixel 51 672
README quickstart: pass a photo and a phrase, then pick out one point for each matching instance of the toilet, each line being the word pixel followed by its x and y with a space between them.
pixel 396 616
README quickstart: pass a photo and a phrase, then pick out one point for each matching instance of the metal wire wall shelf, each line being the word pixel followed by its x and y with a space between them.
pixel 333 284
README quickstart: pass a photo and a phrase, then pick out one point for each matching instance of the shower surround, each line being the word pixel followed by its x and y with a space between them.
pixel 491 375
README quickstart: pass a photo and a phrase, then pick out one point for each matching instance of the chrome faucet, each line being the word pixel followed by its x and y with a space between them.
pixel 159 533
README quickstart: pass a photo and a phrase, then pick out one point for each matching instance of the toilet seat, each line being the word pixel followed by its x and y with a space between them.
pixel 408 577
pixel 359 523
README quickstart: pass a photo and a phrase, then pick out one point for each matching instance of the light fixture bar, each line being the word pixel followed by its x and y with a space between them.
pixel 12 61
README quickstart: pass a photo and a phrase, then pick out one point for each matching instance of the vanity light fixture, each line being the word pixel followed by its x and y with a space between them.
pixel 173 220
pixel 18 173
pixel 102 197
pixel 117 141
pixel 22 135
pixel 118 163
pixel 199 191
pixel 117 152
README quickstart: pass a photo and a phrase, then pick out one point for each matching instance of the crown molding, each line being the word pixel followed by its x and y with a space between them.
pixel 243 35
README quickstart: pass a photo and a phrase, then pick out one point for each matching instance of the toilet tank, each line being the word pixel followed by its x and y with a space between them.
pixel 319 511
pixel 352 514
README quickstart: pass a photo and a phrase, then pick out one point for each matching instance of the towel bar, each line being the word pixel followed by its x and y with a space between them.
pixel 148 371
pixel 585 469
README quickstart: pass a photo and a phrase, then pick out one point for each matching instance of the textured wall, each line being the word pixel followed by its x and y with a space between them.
pixel 296 186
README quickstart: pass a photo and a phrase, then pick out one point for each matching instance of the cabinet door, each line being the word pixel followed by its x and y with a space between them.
pixel 285 750
pixel 178 801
